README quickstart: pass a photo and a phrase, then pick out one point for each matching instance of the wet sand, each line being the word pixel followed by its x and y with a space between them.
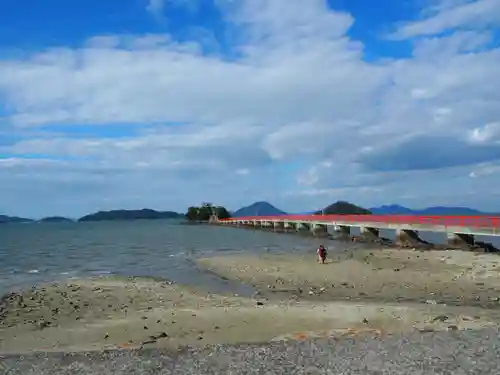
pixel 375 292
pixel 383 275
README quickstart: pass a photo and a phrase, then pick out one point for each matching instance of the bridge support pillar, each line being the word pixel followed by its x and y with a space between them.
pixel 288 226
pixel 342 231
pixel 319 230
pixel 406 237
pixel 279 226
pixel 302 227
pixel 369 232
pixel 460 239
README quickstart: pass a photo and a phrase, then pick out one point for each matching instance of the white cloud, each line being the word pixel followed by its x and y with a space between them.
pixel 486 134
pixel 471 14
pixel 299 93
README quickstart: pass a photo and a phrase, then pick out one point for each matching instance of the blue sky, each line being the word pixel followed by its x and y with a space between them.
pixel 168 103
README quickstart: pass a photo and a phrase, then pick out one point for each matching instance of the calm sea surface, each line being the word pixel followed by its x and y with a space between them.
pixel 34 253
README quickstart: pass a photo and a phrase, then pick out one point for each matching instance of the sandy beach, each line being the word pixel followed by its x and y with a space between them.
pixel 375 292
pixel 385 275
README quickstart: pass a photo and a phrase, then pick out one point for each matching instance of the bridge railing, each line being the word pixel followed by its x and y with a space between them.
pixel 446 221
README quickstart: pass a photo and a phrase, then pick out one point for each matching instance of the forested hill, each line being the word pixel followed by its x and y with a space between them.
pixel 116 215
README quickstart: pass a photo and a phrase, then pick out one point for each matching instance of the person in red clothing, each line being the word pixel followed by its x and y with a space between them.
pixel 322 254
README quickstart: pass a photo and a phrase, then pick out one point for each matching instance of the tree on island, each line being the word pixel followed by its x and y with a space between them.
pixel 205 211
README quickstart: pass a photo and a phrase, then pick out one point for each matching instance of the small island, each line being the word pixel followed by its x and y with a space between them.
pixel 343 208
pixel 56 219
pixel 4 219
pixel 121 215
pixel 205 212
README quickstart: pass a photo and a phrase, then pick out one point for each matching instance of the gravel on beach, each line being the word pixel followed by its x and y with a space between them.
pixel 460 352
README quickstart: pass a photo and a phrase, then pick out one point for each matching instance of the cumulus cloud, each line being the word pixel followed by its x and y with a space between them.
pixel 293 113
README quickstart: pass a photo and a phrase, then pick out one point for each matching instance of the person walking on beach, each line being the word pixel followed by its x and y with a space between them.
pixel 322 254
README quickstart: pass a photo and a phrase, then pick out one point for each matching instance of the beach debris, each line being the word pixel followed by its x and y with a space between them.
pixel 144 317
pixel 426 330
pixel 43 324
pixel 452 327
pixel 440 318
pixel 365 321
pixel 106 336
pixel 431 302
pixel 145 327
pixel 151 340
pixel 260 303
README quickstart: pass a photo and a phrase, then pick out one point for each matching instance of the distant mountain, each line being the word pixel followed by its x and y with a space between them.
pixel 449 211
pixel 145 213
pixel 343 208
pixel 56 219
pixel 258 209
pixel 4 219
pixel 393 209
pixel 431 211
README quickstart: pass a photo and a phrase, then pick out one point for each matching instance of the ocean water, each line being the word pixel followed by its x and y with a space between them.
pixel 46 252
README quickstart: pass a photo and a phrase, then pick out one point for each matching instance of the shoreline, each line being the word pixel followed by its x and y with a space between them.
pixel 358 292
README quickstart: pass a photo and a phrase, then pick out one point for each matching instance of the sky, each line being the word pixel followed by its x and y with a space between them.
pixel 170 103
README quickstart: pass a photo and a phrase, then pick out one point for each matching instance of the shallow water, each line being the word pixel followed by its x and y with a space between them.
pixel 34 253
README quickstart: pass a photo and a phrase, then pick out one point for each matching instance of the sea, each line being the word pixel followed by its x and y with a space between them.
pixel 35 253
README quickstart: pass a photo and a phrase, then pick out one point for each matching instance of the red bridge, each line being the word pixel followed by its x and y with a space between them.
pixel 460 229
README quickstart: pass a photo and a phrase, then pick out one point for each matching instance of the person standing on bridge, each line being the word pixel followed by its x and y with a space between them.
pixel 321 254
